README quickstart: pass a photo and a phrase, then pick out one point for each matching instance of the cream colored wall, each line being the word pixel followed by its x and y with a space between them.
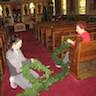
pixel 38 16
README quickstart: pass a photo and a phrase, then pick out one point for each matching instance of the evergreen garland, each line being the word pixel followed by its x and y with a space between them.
pixel 47 79
pixel 59 50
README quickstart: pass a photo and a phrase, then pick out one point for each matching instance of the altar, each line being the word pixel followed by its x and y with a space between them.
pixel 19 27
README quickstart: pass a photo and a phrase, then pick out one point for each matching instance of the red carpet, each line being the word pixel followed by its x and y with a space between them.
pixel 67 87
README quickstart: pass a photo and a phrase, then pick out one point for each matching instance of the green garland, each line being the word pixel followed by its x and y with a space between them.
pixel 47 79
pixel 59 50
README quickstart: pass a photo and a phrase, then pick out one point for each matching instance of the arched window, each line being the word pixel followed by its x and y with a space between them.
pixel 82 6
pixel 32 7
pixel 1 9
pixel 64 7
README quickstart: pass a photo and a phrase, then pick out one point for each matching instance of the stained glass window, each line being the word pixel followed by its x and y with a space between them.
pixel 82 6
pixel 1 11
pixel 64 7
pixel 53 7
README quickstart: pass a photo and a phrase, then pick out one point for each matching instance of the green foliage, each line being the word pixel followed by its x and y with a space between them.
pixel 59 50
pixel 47 79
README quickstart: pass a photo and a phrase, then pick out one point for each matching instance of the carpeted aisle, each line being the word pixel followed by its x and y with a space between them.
pixel 67 87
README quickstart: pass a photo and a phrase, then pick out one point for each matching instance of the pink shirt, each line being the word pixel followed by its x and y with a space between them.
pixel 85 37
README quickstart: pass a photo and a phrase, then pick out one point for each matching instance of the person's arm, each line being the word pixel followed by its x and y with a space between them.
pixel 14 62
pixel 22 55
pixel 71 41
pixel 32 59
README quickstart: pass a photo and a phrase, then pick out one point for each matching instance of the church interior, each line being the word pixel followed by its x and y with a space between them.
pixel 44 26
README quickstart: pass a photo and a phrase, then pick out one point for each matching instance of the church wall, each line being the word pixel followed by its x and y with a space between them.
pixel 72 9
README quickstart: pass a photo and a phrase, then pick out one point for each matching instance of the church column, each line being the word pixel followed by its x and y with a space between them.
pixel 58 7
pixel 71 7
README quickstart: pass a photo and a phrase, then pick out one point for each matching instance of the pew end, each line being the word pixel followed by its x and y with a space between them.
pixel 83 60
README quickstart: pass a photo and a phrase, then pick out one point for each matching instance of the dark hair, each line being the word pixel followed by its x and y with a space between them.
pixel 13 39
pixel 82 24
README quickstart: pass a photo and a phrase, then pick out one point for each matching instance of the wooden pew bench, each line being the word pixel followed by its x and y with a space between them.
pixel 47 25
pixel 44 31
pixel 49 33
pixel 2 57
pixel 83 60
pixel 73 37
pixel 57 33
pixel 3 48
pixel 64 38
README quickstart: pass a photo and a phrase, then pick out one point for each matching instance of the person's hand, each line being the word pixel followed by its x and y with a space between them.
pixel 32 59
pixel 48 66
pixel 70 41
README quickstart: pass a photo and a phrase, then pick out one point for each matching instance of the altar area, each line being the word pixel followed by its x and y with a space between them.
pixel 19 27
pixel 21 15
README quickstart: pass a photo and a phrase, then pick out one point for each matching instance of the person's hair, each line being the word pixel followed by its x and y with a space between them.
pixel 82 24
pixel 16 40
pixel 13 40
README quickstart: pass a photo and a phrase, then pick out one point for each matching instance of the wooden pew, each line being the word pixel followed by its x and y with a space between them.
pixel 83 60
pixel 73 37
pixel 2 58
pixel 45 30
pixel 93 35
pixel 39 27
pixel 63 39
pixel 47 25
pixel 5 36
pixel 57 33
pixel 69 30
pixel 49 33
pixel 48 38
pixel 3 48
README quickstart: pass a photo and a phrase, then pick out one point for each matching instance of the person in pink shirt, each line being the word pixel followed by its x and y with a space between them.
pixel 81 32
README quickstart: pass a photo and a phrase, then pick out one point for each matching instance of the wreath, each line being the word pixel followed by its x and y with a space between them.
pixel 64 45
pixel 47 79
